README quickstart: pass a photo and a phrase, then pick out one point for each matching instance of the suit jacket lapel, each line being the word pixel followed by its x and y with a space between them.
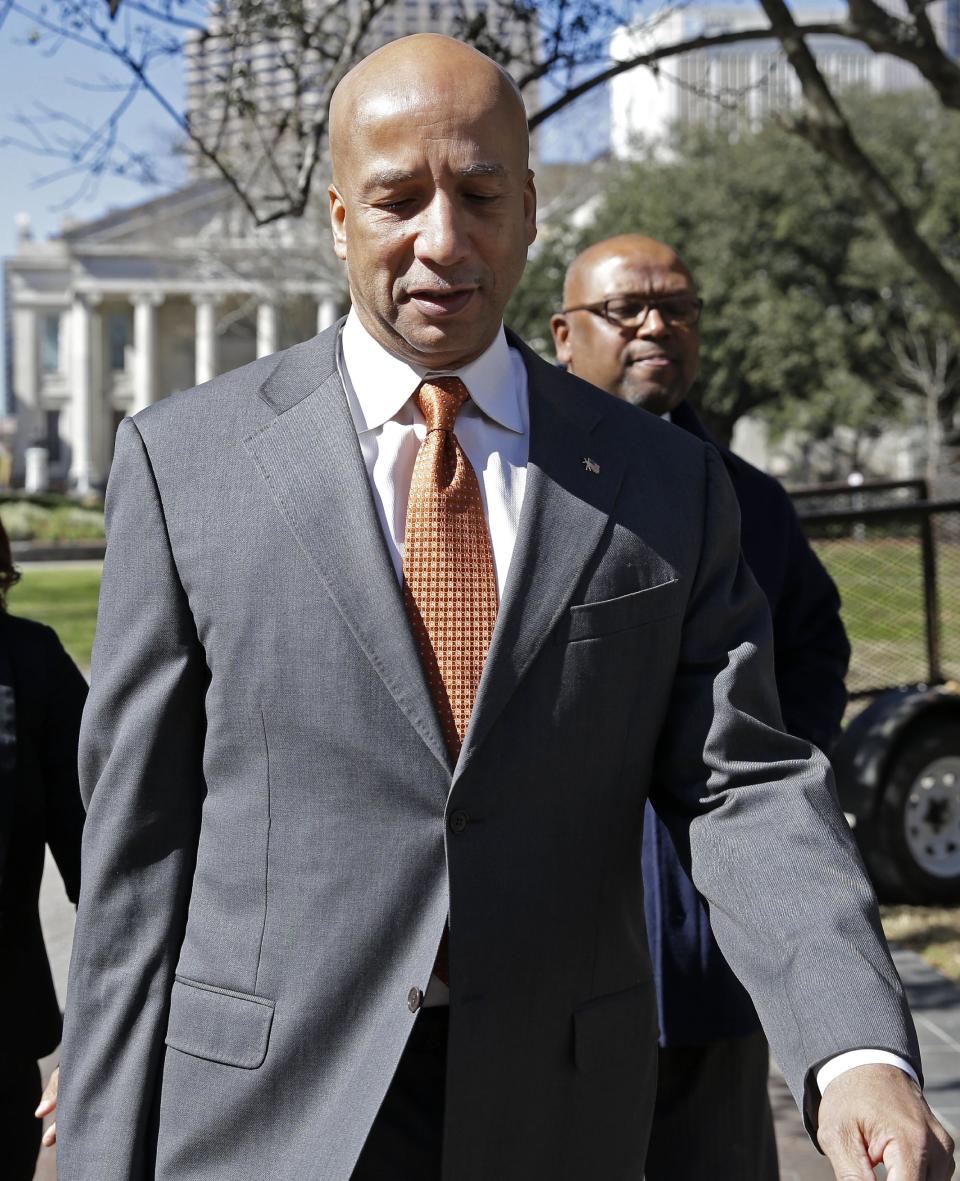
pixel 309 456
pixel 573 476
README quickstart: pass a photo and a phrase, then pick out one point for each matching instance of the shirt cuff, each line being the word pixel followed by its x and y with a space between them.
pixel 843 1062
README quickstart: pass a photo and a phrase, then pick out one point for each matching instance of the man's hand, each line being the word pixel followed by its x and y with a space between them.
pixel 48 1104
pixel 873 1115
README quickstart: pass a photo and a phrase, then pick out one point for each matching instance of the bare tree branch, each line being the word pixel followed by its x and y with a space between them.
pixel 911 41
pixel 934 378
pixel 166 15
pixel 662 52
pixel 825 126
pixel 315 42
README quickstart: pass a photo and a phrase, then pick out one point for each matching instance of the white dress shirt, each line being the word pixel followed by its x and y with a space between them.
pixel 493 429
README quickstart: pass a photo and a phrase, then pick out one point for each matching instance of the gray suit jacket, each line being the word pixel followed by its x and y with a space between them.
pixel 275 834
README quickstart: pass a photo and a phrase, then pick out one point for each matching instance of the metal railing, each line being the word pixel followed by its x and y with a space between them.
pixel 811 498
pixel 897 566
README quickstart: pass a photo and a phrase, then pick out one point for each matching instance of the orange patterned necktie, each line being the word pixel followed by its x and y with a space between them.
pixel 449 581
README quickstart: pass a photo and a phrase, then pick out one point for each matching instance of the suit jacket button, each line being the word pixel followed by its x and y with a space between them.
pixel 459 821
pixel 414 999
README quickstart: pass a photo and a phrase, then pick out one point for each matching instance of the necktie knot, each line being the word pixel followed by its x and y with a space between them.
pixel 440 401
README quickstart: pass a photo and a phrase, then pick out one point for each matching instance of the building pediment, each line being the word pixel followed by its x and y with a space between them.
pixel 205 214
pixel 195 239
pixel 183 213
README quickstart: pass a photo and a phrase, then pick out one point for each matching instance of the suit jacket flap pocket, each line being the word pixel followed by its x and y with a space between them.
pixel 608 616
pixel 613 1028
pixel 219 1025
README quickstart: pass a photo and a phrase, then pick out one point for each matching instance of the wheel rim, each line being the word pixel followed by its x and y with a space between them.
pixel 932 818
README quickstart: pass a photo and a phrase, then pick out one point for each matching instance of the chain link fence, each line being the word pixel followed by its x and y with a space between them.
pixel 895 557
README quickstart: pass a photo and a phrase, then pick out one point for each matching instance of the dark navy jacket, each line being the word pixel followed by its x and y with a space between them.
pixel 41 698
pixel 699 998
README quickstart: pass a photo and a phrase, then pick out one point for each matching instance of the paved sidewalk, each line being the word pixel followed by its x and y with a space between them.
pixel 799 1160
pixel 935 1003
pixel 934 999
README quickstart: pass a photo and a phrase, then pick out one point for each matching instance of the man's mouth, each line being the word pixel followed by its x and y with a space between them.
pixel 441 301
pixel 654 360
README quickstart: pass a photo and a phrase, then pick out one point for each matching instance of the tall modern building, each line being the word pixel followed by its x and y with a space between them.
pixel 739 84
pixel 232 72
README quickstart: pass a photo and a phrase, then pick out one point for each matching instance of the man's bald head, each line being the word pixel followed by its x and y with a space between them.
pixel 591 268
pixel 432 203
pixel 652 365
pixel 423 70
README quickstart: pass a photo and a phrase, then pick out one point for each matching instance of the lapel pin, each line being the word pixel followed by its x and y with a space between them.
pixel 591 465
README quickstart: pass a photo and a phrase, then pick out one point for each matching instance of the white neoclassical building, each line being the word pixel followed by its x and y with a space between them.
pixel 117 313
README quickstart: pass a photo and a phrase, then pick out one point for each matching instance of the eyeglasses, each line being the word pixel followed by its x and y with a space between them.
pixel 631 311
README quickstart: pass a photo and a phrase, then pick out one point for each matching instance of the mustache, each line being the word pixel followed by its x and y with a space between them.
pixel 448 285
pixel 641 353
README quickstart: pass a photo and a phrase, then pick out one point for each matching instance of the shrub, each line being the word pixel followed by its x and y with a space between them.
pixel 25 521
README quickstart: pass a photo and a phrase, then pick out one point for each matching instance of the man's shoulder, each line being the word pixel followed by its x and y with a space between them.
pixel 34 648
pixel 759 487
pixel 241 398
pixel 753 486
pixel 23 632
pixel 640 432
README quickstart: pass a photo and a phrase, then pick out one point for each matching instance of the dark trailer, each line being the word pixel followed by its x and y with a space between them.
pixel 895 556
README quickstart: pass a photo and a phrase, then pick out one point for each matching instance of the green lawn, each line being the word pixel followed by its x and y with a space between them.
pixel 880 581
pixel 881 585
pixel 63 597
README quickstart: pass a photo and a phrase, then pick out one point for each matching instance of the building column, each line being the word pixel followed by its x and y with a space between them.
pixel 145 348
pixel 206 338
pixel 267 328
pixel 326 312
pixel 30 343
pixel 81 394
pixel 26 374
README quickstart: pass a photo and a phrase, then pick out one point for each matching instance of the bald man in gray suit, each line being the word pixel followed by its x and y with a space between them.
pixel 277 831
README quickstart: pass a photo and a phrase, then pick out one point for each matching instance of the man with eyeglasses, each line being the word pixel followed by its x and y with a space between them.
pixel 630 325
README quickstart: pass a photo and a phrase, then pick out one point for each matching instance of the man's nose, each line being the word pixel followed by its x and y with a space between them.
pixel 441 235
pixel 654 325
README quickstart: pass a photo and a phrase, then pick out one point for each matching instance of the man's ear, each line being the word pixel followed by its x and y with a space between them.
pixel 561 338
pixel 338 223
pixel 530 208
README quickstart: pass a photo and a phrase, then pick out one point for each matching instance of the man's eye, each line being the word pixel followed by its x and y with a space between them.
pixel 680 309
pixel 628 310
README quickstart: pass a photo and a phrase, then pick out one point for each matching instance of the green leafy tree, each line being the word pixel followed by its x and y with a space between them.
pixel 805 299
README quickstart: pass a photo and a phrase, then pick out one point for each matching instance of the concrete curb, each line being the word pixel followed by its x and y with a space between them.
pixel 65 551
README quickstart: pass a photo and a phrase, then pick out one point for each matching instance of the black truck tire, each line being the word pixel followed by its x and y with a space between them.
pixel 912 843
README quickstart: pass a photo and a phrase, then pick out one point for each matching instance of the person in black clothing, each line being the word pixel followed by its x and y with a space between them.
pixel 630 327
pixel 41 698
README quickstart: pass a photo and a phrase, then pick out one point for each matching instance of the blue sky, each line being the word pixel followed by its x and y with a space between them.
pixel 36 74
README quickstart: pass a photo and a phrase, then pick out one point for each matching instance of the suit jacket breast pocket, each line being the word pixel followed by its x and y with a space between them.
pixel 232 1028
pixel 587 621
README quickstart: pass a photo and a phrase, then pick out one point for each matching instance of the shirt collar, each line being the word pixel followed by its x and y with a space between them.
pixel 383 382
